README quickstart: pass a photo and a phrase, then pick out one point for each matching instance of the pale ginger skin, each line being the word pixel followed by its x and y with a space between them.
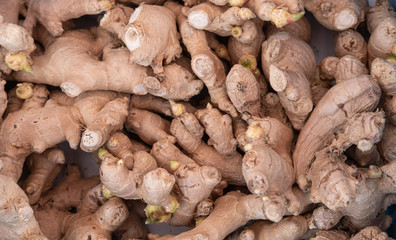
pixel 133 227
pixel 351 42
pixel 290 228
pixel 342 68
pixel 140 37
pixel 289 64
pixel 219 129
pixel 233 210
pixel 10 10
pixel 205 64
pixel 244 92
pixel 375 192
pixel 335 15
pixel 300 29
pixel 43 168
pixel 371 232
pixel 381 21
pixel 385 72
pixel 150 127
pixel 189 133
pixel 52 14
pixel 221 21
pixel 387 146
pixel 344 100
pixel 108 74
pixel 331 235
pixel 17 220
pixel 195 184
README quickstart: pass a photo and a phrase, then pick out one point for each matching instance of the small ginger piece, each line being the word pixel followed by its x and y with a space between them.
pixel 290 228
pixel 244 92
pixel 221 21
pixel 52 14
pixel 335 15
pixel 300 29
pixel 140 37
pixel 43 168
pixel 149 126
pixel 342 68
pixel 381 21
pixel 351 42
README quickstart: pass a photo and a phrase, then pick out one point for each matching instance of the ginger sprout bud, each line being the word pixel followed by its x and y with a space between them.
pixel 18 61
pixel 24 90
pixel 248 61
pixel 374 172
pixel 391 59
pixel 113 142
pixel 106 5
pixel 106 192
pixel 173 206
pixel 101 153
pixel 280 17
pixel 30 188
pixel 199 220
pixel 236 3
pixel 177 108
pixel 174 165
pixel 156 214
pixel 236 31
pixel 222 52
pixel 246 14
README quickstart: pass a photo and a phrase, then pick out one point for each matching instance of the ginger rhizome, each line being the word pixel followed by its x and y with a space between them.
pixel 290 73
pixel 108 74
pixel 52 14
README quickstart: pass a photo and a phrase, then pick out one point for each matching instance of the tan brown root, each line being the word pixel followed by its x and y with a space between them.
pixel 300 28
pixel 149 126
pixel 329 114
pixel 51 18
pixel 331 235
pixel 335 15
pixel 243 90
pixel 196 184
pixel 17 220
pixel 147 50
pixel 205 64
pixel 169 156
pixel 371 232
pixel 44 168
pixel 387 145
pixel 342 68
pixel 189 132
pixel 352 43
pixel 292 228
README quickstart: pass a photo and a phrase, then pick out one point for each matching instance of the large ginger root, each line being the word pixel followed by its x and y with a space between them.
pixel 335 15
pixel 189 133
pixel 133 227
pixel 205 64
pixel 150 127
pixel 290 228
pixel 43 168
pixel 279 12
pixel 387 145
pixel 381 21
pixel 342 68
pixel 232 210
pixel 289 64
pixel 337 106
pixel 371 232
pixel 351 42
pixel 375 192
pixel 16 218
pixel 51 14
pixel 108 74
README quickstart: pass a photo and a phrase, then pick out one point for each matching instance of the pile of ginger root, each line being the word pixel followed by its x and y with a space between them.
pixel 214 115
